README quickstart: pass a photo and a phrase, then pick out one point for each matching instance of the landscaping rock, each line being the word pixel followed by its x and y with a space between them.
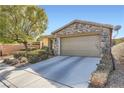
pixel 23 60
pixel 11 61
pixel 14 61
pixel 7 61
pixel 99 79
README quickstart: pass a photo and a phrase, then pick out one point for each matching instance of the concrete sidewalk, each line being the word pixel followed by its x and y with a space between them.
pixel 25 79
pixel 2 85
pixel 19 78
pixel 4 69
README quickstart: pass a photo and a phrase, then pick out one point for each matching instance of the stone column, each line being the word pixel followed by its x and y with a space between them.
pixel 100 76
pixel 58 42
pixel 57 46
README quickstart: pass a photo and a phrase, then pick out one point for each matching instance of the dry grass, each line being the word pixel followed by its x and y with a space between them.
pixel 118 52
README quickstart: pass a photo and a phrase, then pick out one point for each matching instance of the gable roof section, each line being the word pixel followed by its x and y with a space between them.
pixel 84 22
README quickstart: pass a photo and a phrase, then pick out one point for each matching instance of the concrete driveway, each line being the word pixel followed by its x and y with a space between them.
pixel 60 71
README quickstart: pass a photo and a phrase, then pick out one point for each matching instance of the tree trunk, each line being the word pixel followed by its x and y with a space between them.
pixel 26 48
pixel 26 45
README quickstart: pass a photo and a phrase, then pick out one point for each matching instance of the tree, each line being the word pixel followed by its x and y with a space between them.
pixel 3 32
pixel 22 23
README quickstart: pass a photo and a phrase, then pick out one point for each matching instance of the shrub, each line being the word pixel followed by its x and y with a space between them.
pixel 32 56
pixel 37 55
pixel 19 54
pixel 45 49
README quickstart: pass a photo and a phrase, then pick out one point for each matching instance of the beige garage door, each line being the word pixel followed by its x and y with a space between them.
pixel 80 46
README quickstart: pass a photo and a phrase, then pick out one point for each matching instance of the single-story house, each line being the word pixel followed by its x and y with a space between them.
pixel 80 38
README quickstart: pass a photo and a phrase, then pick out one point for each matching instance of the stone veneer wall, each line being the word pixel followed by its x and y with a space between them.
pixel 99 77
pixel 81 28
pixel 56 46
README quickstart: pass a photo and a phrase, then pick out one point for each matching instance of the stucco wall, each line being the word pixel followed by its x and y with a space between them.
pixel 45 42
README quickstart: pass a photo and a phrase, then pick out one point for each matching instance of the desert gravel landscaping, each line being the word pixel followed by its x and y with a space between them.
pixel 116 78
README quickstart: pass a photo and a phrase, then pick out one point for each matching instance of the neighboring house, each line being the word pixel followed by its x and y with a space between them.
pixel 80 38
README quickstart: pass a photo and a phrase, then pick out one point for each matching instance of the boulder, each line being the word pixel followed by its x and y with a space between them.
pixel 99 79
pixel 7 61
pixel 14 61
pixel 23 60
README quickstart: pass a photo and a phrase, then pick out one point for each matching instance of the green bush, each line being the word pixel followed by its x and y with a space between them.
pixel 37 55
pixel 32 56
pixel 19 54
pixel 45 48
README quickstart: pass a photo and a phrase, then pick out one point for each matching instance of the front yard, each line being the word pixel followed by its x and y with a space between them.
pixel 23 58
pixel 115 79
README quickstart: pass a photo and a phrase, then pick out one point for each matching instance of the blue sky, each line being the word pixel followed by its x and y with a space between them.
pixel 59 15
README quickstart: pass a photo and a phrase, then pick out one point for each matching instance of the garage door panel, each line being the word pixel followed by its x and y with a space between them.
pixel 79 53
pixel 80 46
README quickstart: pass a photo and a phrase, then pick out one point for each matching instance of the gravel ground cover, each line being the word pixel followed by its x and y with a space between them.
pixel 116 78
